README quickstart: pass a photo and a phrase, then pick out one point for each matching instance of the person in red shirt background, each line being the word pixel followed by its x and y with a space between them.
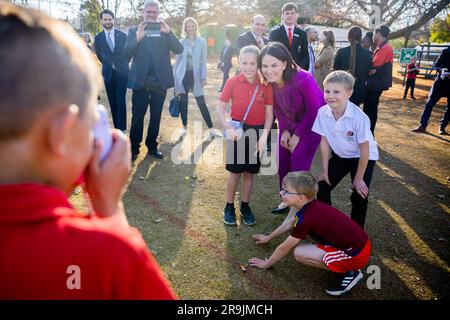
pixel 412 69
pixel 49 250
pixel 380 77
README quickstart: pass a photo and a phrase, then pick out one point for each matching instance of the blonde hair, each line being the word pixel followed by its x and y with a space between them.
pixel 183 29
pixel 341 77
pixel 303 182
pixel 250 49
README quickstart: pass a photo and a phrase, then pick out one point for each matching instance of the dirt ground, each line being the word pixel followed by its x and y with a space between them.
pixel 178 208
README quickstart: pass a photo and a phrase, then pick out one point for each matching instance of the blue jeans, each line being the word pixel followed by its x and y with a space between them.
pixel 436 95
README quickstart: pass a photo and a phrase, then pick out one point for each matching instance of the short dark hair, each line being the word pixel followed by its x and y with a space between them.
pixel 106 11
pixel 369 35
pixel 279 51
pixel 45 65
pixel 288 7
pixel 383 30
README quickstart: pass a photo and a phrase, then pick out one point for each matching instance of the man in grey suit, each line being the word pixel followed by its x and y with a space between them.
pixel 150 76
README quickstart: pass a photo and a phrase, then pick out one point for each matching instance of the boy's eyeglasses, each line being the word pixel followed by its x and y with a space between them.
pixel 284 192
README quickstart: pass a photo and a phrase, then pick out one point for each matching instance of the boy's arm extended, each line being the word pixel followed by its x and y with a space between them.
pixel 280 252
pixel 325 156
pixel 282 229
pixel 358 183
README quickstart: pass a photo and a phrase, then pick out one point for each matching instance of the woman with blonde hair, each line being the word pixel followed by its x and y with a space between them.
pixel 190 71
pixel 324 61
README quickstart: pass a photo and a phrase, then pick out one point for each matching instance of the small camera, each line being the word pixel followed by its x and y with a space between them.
pixel 153 29
pixel 102 131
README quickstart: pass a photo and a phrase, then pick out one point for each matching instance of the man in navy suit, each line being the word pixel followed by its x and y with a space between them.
pixel 440 89
pixel 109 46
pixel 150 76
pixel 225 62
pixel 291 36
pixel 256 34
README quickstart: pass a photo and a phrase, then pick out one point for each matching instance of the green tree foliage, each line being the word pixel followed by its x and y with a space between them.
pixel 90 11
pixel 440 30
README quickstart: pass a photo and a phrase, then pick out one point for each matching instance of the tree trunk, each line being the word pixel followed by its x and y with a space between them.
pixel 188 10
pixel 407 36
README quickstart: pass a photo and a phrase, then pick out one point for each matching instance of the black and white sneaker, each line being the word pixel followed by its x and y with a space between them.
pixel 345 283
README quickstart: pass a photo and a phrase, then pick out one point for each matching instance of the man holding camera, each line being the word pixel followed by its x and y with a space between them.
pixel 150 75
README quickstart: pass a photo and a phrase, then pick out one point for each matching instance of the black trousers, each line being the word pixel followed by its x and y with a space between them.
pixel 141 99
pixel 188 84
pixel 338 168
pixel 226 74
pixel 371 101
pixel 410 83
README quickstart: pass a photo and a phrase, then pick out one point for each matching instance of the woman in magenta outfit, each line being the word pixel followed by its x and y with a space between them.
pixel 297 98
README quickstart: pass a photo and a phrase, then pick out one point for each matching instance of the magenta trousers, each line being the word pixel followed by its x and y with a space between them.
pixel 300 159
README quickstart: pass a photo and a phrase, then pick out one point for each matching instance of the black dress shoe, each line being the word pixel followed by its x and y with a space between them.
pixel 156 154
pixel 279 211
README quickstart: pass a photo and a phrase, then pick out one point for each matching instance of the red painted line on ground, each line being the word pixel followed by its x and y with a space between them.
pixel 204 241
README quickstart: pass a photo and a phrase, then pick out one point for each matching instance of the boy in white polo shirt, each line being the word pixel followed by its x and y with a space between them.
pixel 345 129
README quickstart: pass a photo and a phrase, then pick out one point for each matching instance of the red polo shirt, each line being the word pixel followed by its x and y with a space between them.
pixel 51 251
pixel 411 75
pixel 240 91
pixel 383 54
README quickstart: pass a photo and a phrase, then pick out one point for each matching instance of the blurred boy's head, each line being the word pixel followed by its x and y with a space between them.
pixel 48 90
pixel 299 188
pixel 338 88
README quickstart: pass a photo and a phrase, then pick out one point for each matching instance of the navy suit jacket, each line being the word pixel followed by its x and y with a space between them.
pixel 442 86
pixel 158 50
pixel 247 39
pixel 299 50
pixel 108 58
pixel 226 59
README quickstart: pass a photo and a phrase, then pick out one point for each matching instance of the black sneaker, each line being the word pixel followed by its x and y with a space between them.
pixel 247 216
pixel 229 216
pixel 345 283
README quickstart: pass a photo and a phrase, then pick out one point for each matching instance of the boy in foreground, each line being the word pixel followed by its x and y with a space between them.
pixel 48 89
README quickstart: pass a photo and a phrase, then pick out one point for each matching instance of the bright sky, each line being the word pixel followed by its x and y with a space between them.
pixel 56 8
pixel 62 8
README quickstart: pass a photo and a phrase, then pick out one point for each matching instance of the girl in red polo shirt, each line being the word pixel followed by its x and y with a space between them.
pixel 251 105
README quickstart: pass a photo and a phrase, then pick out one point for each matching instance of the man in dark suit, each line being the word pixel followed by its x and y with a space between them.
pixel 440 89
pixel 256 34
pixel 291 36
pixel 225 63
pixel 150 76
pixel 109 46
